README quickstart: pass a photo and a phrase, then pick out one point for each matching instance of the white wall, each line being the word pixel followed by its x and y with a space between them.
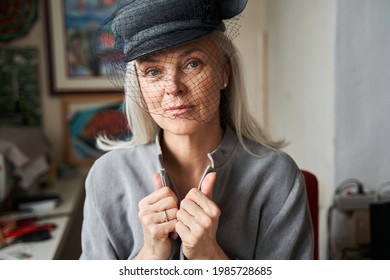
pixel 301 87
pixel 250 44
pixel 363 92
pixel 329 89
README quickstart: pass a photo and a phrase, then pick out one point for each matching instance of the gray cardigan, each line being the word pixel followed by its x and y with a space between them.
pixel 264 212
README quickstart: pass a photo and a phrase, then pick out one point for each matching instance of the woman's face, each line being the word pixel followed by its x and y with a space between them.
pixel 181 86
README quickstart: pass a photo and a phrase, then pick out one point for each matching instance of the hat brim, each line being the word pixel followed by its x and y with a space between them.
pixel 166 41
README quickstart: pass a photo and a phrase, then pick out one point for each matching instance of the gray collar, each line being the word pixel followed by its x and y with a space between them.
pixel 225 149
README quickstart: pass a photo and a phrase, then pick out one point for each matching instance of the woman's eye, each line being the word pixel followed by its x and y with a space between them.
pixel 152 72
pixel 193 64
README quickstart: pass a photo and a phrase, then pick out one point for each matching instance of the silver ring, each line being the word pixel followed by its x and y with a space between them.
pixel 166 216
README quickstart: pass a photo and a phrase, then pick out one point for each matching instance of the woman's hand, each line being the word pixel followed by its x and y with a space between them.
pixel 157 213
pixel 197 223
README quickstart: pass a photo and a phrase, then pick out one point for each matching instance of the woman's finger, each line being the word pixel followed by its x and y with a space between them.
pixel 157 181
pixel 206 204
pixel 156 196
pixel 207 185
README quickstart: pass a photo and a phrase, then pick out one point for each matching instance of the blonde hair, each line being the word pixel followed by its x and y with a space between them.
pixel 236 114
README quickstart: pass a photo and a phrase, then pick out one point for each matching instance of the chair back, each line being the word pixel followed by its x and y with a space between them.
pixel 312 198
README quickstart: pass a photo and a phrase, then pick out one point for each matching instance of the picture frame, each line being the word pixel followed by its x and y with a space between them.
pixel 74 66
pixel 86 117
pixel 20 98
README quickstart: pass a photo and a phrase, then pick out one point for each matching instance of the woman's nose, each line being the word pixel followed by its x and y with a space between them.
pixel 174 84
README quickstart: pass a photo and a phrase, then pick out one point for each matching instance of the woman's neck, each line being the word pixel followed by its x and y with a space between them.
pixel 185 156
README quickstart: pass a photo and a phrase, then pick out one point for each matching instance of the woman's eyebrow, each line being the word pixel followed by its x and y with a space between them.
pixel 190 51
pixel 156 58
pixel 148 58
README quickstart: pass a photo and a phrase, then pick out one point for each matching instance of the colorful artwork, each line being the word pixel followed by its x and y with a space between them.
pixel 16 18
pixel 81 48
pixel 20 102
pixel 85 120
pixel 82 18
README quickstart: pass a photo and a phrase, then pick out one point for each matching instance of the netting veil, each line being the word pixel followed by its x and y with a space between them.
pixel 171 57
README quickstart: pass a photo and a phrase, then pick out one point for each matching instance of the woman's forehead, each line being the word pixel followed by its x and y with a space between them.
pixel 205 45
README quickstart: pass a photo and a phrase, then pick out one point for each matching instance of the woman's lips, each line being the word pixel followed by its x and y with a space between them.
pixel 180 110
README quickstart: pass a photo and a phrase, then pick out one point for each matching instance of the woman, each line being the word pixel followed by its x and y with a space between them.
pixel 199 179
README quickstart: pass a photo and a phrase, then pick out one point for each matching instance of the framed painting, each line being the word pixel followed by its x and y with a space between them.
pixel 86 117
pixel 20 98
pixel 80 60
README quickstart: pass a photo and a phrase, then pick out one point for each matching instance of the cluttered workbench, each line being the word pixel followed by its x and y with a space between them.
pixel 61 221
pixel 41 201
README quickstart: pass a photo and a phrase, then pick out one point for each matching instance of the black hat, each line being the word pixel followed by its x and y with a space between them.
pixel 143 27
